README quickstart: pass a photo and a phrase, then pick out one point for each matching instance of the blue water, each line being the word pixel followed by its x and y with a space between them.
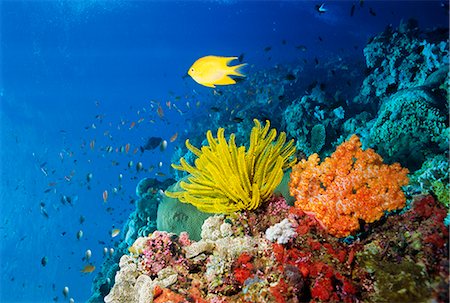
pixel 75 72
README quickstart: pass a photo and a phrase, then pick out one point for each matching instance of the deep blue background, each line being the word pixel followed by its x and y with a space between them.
pixel 65 62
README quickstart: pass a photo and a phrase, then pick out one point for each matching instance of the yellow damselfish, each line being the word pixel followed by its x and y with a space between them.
pixel 214 70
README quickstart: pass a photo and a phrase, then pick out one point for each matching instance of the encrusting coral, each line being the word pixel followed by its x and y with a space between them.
pixel 349 186
pixel 227 178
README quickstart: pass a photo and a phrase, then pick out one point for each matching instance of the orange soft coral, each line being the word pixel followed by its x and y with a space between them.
pixel 350 185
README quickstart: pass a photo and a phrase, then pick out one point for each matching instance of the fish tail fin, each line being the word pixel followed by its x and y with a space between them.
pixel 237 70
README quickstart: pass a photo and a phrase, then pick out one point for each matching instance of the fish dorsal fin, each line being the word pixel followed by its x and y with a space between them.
pixel 225 60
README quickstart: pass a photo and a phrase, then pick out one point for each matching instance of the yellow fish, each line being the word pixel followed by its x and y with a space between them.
pixel 88 268
pixel 213 70
pixel 115 232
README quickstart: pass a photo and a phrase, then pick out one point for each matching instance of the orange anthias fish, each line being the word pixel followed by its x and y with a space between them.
pixel 174 137
pixel 92 144
pixel 88 269
pixel 160 111
pixel 214 70
pixel 132 124
pixel 105 196
pixel 127 148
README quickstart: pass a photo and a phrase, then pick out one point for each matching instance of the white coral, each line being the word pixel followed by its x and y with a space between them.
pixel 281 232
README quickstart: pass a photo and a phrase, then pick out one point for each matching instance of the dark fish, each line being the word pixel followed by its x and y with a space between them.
pixel 320 39
pixel 352 11
pixel 152 143
pixel 320 8
pixel 238 119
pixel 268 48
pixel 215 109
pixel 281 98
pixel 372 12
pixel 290 77
pixel 361 3
pixel 48 190
pixel 317 61
pixel 333 72
pixel 322 86
pixel 283 42
pixel 44 261
pixel 241 57
pixel 82 219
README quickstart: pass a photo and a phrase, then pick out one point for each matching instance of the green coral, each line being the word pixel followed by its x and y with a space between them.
pixel 227 178
pixel 403 281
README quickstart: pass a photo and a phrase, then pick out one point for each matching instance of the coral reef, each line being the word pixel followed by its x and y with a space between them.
pixel 402 58
pixel 409 127
pixel 403 259
pixel 227 178
pixel 350 186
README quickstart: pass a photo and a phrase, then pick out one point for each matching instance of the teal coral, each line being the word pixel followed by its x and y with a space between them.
pixel 409 128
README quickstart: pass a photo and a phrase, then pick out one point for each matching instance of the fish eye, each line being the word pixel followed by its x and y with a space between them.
pixel 192 69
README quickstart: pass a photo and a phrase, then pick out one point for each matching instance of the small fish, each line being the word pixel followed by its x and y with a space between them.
pixel 352 11
pixel 44 212
pixel 169 104
pixel 321 9
pixel 105 251
pixel 241 57
pixel 174 137
pixel 79 234
pixel 120 177
pixel 89 177
pixel 88 268
pixel 115 232
pixel 139 166
pixel 130 164
pixel 152 143
pixel 214 70
pixel 82 219
pixel 372 12
pixel 160 112
pixel 92 144
pixel 160 164
pixel 44 261
pixel 105 196
pixel 163 145
pixel 141 120
pixel 133 124
pixel 267 48
pixel 65 291
pixel 290 77
pixel 88 254
pixel 214 109
pixel 111 251
pixel 238 119
pixel 301 48
pixel 127 148
pixel 160 174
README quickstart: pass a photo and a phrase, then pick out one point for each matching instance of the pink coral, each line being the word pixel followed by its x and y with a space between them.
pixel 161 251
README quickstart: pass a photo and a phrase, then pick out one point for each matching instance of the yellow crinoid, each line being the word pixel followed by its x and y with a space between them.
pixel 227 178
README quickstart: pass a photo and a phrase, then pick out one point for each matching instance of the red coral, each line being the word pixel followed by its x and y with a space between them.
pixel 244 268
pixel 279 291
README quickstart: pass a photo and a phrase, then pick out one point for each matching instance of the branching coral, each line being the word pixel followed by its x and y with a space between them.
pixel 350 185
pixel 227 178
